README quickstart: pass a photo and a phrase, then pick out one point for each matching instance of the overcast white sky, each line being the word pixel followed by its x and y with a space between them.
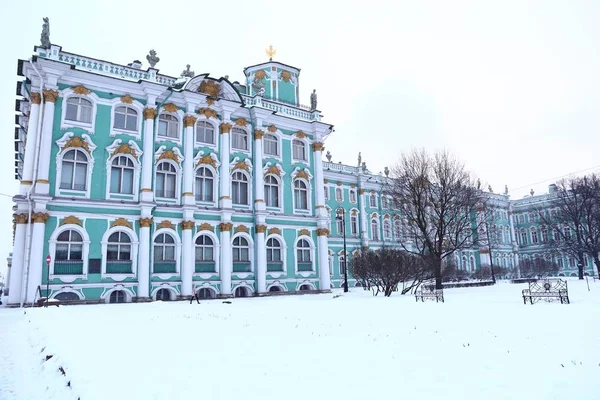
pixel 511 87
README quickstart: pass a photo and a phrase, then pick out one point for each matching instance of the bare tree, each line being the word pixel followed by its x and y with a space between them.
pixel 574 219
pixel 439 201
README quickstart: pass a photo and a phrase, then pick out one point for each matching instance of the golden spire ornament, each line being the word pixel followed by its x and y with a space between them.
pixel 271 52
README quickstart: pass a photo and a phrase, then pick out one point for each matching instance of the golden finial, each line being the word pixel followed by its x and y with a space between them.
pixel 271 52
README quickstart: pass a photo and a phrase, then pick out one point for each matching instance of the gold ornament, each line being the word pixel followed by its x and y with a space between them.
pixel 301 135
pixel 317 146
pixel 274 231
pixel 170 107
pixel 206 227
pixel 150 113
pixel 20 218
pixel 286 76
pixel 145 222
pixel 210 101
pixel 225 127
pixel 165 224
pixel 339 183
pixel 210 88
pixel 302 174
pixel 80 89
pixel 127 99
pixel 169 155
pixel 189 120
pixel 125 149
pixel 207 112
pixel 74 142
pixel 241 122
pixel 121 222
pixel 260 228
pixel 259 75
pixel 71 220
pixel 241 165
pixel 272 128
pixel 187 225
pixel 322 232
pixel 225 226
pixel 50 96
pixel 354 212
pixel 35 98
pixel 241 228
pixel 258 134
pixel 40 217
pixel 207 160
pixel 304 232
pixel 273 170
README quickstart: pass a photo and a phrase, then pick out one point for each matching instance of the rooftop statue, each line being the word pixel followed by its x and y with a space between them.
pixel 359 158
pixel 152 58
pixel 187 73
pixel 313 100
pixel 328 155
pixel 45 37
pixel 506 189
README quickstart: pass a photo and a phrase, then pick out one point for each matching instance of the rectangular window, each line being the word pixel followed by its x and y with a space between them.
pixel 239 139
pixel 352 196
pixel 326 190
pixel 353 225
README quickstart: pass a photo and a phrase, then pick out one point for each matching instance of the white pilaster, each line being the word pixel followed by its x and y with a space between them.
pixel 148 158
pixel 225 176
pixel 42 182
pixel 364 221
pixel 143 273
pixel 188 162
pixel 261 259
pixel 226 258
pixel 320 184
pixel 187 268
pixel 29 160
pixel 259 179
pixel 36 261
pixel 16 282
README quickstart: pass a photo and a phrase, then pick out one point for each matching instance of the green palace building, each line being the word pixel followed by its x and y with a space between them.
pixel 138 186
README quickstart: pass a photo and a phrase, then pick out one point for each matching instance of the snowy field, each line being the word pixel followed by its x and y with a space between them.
pixel 483 343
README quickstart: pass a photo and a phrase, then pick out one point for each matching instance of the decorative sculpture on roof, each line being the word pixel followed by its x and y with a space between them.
pixel 386 171
pixel 328 155
pixel 187 73
pixel 313 100
pixel 490 189
pixel 506 189
pixel 531 192
pixel 271 52
pixel 259 87
pixel 45 37
pixel 152 58
pixel 359 158
pixel 364 166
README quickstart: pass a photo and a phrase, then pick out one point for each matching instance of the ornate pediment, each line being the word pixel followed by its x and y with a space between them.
pixel 173 154
pixel 274 169
pixel 117 147
pixel 71 220
pixel 302 173
pixel 69 140
pixel 207 159
pixel 244 164
pixel 303 232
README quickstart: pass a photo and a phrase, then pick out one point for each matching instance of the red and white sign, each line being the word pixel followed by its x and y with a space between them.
pixel 48 259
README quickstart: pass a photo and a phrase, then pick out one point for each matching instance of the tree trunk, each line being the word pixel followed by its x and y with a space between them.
pixel 597 263
pixel 580 265
pixel 438 275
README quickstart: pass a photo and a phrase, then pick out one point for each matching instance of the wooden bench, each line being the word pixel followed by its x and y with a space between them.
pixel 548 290
pixel 427 291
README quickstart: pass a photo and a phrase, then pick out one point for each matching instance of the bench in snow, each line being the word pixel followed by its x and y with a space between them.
pixel 427 291
pixel 548 290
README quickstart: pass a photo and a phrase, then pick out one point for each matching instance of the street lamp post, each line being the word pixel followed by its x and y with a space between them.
pixel 342 217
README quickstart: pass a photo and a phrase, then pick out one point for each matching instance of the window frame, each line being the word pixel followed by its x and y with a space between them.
pixel 248 188
pixel 52 244
pixel 68 93
pixel 215 129
pixel 214 179
pixel 311 251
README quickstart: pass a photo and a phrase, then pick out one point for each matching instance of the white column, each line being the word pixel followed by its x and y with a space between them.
pixel 18 258
pixel 226 259
pixel 187 268
pixel 323 249
pixel 259 179
pixel 36 261
pixel 225 176
pixel 148 156
pixel 28 162
pixel 320 184
pixel 364 221
pixel 189 122
pixel 261 259
pixel 143 272
pixel 42 182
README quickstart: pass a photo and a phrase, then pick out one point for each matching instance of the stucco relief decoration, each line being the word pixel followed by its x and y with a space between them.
pixel 40 217
pixel 210 101
pixel 80 89
pixel 121 222
pixel 258 134
pixel 286 76
pixel 50 96
pixel 260 228
pixel 260 75
pixel 238 163
pixel 374 215
pixel 187 224
pixel 339 183
pixel 35 98
pixel 301 135
pixel 304 232
pixel 71 220
pixel 145 222
pixel 352 186
pixel 274 169
pixel 170 107
pixel 206 159
pixel 20 218
pixel 241 122
pixel 241 228
pixel 225 127
pixel 208 112
pixel 322 232
pixel 301 173
pixel 317 146
pixel 69 140
pixel 165 224
pixel 131 148
pixel 210 88
pixel 354 212
pixel 386 216
pixel 361 191
pixel 150 113
pixel 127 99
pixel 173 154
pixel 225 226
pixel 272 128
pixel 206 227
pixel 189 120
pixel 274 231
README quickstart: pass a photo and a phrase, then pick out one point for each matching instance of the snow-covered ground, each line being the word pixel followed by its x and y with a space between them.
pixel 482 343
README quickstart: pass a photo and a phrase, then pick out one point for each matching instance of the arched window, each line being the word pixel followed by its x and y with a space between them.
pixel 205 254
pixel 166 178
pixel 68 256
pixel 274 260
pixel 544 234
pixel 374 229
pixel 523 237
pixel 342 266
pixel 125 118
pixel 241 255
pixel 274 289
pixel 67 296
pixel 206 293
pixel 239 139
pixel 567 230
pixel 239 188
pixel 507 232
pixel 168 126
pixel 205 132
pixel 164 254
pixel 354 225
pixel 300 195
pixel 117 296
pixel 271 191
pixel 304 288
pixel 303 256
pixel 472 263
pixel 121 175
pixel 241 291
pixel 534 235
pixel 163 295
pixel 397 229
pixel 119 247
pixel 270 145
pixel 373 200
pixel 339 195
pixel 352 195
pixel 74 170
pixel 326 193
pixel 465 265
pixel 299 149
pixel 330 265
pixel 339 222
pixel 79 109
pixel 204 184
pixel 387 229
